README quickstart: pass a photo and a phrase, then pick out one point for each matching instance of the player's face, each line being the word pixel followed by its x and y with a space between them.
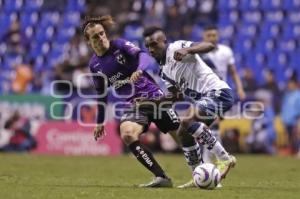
pixel 211 36
pixel 156 47
pixel 97 38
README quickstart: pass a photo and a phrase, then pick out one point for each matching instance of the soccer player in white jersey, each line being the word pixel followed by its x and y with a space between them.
pixel 185 72
pixel 222 61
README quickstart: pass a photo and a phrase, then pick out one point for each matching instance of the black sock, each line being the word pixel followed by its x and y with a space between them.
pixel 145 157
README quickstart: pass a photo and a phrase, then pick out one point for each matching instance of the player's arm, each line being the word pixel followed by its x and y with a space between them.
pixel 144 62
pixel 237 80
pixel 196 47
pixel 135 52
pixel 101 89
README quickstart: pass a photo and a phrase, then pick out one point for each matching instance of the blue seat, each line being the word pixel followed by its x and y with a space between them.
pixel 44 34
pixel 38 49
pixel 270 30
pixel 71 19
pixel 254 63
pixel 279 62
pixel 252 17
pixel 239 59
pixel 196 34
pixel 291 31
pixel 293 17
pixel 4 24
pixel 39 63
pixel 228 31
pixel 226 41
pixel 49 19
pixel 13 5
pixel 29 32
pixel 133 32
pixel 248 31
pixel 280 73
pixel 230 17
pixel 76 5
pixel 64 34
pixel 287 45
pixel 228 4
pixel 295 59
pixel 277 59
pixel 243 45
pixel 269 5
pixel 29 19
pixel 291 5
pixel 275 17
pixel 246 5
pixel 32 5
pixel 264 46
pixel 12 60
pixel 55 57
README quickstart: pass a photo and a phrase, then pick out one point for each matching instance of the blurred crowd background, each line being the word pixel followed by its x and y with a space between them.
pixel 41 41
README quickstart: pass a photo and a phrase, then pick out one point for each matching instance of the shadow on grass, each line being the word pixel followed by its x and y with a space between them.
pixel 81 186
pixel 91 186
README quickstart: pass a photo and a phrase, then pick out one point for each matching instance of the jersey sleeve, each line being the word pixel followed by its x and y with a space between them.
pixel 179 45
pixel 231 60
pixel 128 47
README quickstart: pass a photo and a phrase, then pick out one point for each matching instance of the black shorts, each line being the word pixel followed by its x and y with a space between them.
pixel 165 118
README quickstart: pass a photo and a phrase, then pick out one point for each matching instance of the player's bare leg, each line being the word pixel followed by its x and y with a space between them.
pixel 130 132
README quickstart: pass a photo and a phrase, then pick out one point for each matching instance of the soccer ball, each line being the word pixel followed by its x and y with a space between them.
pixel 206 176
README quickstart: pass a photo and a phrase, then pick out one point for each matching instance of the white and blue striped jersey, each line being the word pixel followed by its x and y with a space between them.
pixel 191 75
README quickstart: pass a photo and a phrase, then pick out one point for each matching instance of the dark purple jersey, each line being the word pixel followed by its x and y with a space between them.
pixel 118 64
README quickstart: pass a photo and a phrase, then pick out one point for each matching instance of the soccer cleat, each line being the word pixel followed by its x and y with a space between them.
pixel 189 184
pixel 226 165
pixel 219 186
pixel 158 182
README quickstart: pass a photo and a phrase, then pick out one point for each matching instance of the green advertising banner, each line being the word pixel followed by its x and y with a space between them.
pixel 32 106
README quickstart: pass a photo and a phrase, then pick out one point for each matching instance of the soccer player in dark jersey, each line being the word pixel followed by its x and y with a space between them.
pixel 123 66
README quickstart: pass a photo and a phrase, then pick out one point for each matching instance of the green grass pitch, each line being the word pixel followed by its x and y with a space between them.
pixel 31 176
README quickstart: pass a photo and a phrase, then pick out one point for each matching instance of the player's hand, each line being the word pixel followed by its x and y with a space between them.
pixel 99 132
pixel 180 54
pixel 242 95
pixel 136 75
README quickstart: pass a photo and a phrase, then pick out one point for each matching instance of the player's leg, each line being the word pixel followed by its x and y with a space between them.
pixel 168 122
pixel 205 111
pixel 190 148
pixel 207 155
pixel 201 132
pixel 130 129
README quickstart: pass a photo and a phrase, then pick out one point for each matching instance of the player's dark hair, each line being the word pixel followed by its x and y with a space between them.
pixel 151 30
pixel 106 21
pixel 210 27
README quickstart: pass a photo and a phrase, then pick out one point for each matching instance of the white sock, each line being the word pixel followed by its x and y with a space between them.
pixel 200 132
pixel 192 155
pixel 219 151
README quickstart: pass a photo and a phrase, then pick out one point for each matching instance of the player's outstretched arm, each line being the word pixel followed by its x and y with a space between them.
pixel 237 80
pixel 197 47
